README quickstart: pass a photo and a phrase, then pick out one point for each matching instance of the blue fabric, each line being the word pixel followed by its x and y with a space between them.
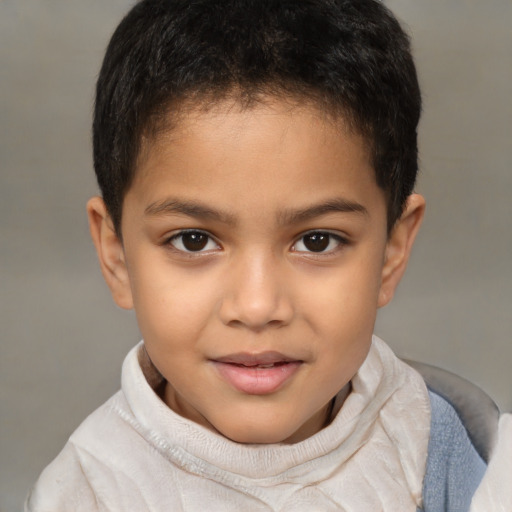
pixel 454 468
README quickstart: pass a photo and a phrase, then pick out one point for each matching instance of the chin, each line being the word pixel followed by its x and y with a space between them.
pixel 251 434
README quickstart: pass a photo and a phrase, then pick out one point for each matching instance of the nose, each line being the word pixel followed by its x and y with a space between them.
pixel 255 294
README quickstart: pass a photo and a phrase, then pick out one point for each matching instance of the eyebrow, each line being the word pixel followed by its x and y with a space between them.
pixel 286 217
pixel 335 205
pixel 191 209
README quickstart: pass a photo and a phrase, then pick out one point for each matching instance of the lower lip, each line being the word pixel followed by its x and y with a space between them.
pixel 257 381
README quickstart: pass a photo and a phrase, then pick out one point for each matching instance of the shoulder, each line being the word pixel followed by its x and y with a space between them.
pixel 74 480
pixel 454 467
pixel 114 460
pixel 64 483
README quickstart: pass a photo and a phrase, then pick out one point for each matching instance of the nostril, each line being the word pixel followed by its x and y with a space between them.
pixel 256 327
pixel 276 323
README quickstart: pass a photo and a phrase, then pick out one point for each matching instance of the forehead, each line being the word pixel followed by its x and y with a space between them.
pixel 234 116
pixel 275 155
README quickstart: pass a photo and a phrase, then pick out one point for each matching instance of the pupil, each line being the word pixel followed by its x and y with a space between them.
pixel 194 241
pixel 316 242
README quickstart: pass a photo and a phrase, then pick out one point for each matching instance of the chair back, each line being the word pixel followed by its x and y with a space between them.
pixel 477 411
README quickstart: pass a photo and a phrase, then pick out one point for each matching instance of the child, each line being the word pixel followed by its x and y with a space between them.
pixel 257 160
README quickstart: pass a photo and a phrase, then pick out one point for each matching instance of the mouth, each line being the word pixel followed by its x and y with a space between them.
pixel 257 374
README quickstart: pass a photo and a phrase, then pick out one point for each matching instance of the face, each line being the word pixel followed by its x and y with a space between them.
pixel 255 253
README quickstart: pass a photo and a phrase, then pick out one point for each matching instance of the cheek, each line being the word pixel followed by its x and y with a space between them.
pixel 171 305
pixel 344 301
pixel 342 311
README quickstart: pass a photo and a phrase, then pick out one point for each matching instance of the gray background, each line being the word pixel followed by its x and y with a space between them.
pixel 63 340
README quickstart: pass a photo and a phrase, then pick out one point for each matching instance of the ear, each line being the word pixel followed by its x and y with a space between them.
pixel 110 252
pixel 398 247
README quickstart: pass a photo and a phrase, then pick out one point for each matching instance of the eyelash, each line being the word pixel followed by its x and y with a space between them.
pixel 177 243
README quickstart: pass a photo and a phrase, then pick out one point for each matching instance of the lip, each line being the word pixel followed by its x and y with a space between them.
pixel 257 374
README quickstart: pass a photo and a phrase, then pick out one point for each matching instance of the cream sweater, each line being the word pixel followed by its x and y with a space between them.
pixel 134 453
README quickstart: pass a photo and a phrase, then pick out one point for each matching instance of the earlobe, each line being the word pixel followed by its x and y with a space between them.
pixel 399 246
pixel 110 252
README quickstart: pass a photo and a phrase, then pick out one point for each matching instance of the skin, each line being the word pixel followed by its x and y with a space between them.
pixel 256 183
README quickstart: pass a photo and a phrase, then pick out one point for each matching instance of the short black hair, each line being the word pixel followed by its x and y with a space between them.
pixel 351 57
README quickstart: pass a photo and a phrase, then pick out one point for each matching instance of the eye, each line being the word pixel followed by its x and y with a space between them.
pixel 193 241
pixel 318 242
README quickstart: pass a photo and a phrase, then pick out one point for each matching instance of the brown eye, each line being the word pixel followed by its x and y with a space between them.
pixel 316 242
pixel 193 241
